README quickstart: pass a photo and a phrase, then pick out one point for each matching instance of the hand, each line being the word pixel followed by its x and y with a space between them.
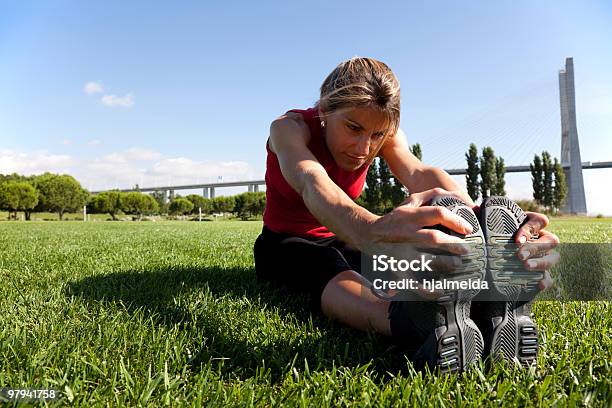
pixel 407 222
pixel 537 255
pixel 403 234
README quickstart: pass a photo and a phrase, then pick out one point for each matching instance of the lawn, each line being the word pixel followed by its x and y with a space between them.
pixel 169 313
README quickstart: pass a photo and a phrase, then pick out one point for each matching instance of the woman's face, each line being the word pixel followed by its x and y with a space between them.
pixel 352 134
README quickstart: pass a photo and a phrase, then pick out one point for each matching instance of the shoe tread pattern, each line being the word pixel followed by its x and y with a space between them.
pixel 462 343
pixel 514 336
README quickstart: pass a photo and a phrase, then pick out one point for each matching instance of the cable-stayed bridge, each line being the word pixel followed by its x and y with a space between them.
pixel 570 151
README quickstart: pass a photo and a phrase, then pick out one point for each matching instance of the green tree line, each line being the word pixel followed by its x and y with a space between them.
pixel 63 194
pixel 485 175
pixel 548 182
pixel 383 191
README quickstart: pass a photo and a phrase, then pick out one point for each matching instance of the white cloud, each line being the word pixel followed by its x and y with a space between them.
pixel 91 88
pixel 148 168
pixel 93 142
pixel 35 162
pixel 66 142
pixel 130 155
pixel 126 101
pixel 124 169
pixel 183 168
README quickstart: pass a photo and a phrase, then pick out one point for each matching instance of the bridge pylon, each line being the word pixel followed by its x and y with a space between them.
pixel 575 202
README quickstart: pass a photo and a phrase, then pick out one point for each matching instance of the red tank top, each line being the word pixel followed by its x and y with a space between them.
pixel 285 209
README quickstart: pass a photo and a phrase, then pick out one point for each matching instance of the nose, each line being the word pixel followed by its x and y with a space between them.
pixel 363 145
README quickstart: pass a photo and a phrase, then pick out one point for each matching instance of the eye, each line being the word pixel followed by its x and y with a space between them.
pixel 352 127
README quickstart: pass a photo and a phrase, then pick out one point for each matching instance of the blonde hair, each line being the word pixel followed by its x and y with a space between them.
pixel 363 82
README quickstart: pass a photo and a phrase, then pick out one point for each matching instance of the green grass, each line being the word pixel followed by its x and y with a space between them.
pixel 169 313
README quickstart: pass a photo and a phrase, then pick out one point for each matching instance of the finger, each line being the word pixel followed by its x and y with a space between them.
pixel 437 239
pixel 418 199
pixel 547 282
pixel 423 198
pixel 430 294
pixel 543 263
pixel 430 216
pixel 535 223
pixel 444 263
pixel 537 248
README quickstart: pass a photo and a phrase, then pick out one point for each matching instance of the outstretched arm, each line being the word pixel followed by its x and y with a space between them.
pixel 412 173
pixel 333 208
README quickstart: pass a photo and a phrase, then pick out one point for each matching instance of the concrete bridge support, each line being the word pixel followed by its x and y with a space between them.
pixel 575 202
pixel 253 188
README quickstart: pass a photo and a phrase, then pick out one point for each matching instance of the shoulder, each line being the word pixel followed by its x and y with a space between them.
pixel 289 128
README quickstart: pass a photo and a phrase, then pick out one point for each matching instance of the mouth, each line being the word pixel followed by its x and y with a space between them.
pixel 355 158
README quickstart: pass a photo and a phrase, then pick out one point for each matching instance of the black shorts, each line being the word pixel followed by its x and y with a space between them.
pixel 304 265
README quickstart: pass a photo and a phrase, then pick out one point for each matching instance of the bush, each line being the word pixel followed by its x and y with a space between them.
pixel 17 196
pixel 60 194
pixel 180 206
pixel 107 202
pixel 200 202
pixel 224 204
pixel 138 204
pixel 250 204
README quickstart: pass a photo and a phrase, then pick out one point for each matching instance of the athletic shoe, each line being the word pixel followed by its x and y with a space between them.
pixel 452 340
pixel 503 315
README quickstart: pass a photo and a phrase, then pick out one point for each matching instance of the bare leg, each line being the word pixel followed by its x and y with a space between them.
pixel 347 298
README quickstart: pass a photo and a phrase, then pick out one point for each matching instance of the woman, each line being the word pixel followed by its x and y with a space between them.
pixel 313 230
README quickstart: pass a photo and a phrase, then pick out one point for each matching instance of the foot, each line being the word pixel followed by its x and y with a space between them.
pixel 452 340
pixel 503 312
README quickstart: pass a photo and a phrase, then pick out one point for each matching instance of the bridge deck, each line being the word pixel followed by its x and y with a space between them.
pixel 454 172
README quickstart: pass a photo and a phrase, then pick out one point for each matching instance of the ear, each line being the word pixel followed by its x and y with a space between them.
pixel 322 113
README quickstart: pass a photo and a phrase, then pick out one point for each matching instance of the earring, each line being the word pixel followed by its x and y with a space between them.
pixel 322 123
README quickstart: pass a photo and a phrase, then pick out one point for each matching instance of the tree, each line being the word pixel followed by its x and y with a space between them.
pixel 162 203
pixel 107 202
pixel 372 191
pixel 17 196
pixel 180 206
pixel 261 202
pixel 60 193
pixel 385 187
pixel 223 204
pixel 500 171
pixel 360 201
pixel 200 202
pixel 138 204
pixel 547 170
pixel 560 189
pixel 415 149
pixel 13 177
pixel 250 204
pixel 537 179
pixel 487 172
pixel 473 169
pixel 398 195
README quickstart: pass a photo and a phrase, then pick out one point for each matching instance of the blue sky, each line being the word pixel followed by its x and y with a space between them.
pixel 185 91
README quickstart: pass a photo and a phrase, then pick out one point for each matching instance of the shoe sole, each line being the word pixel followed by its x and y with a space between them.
pixel 460 343
pixel 514 336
